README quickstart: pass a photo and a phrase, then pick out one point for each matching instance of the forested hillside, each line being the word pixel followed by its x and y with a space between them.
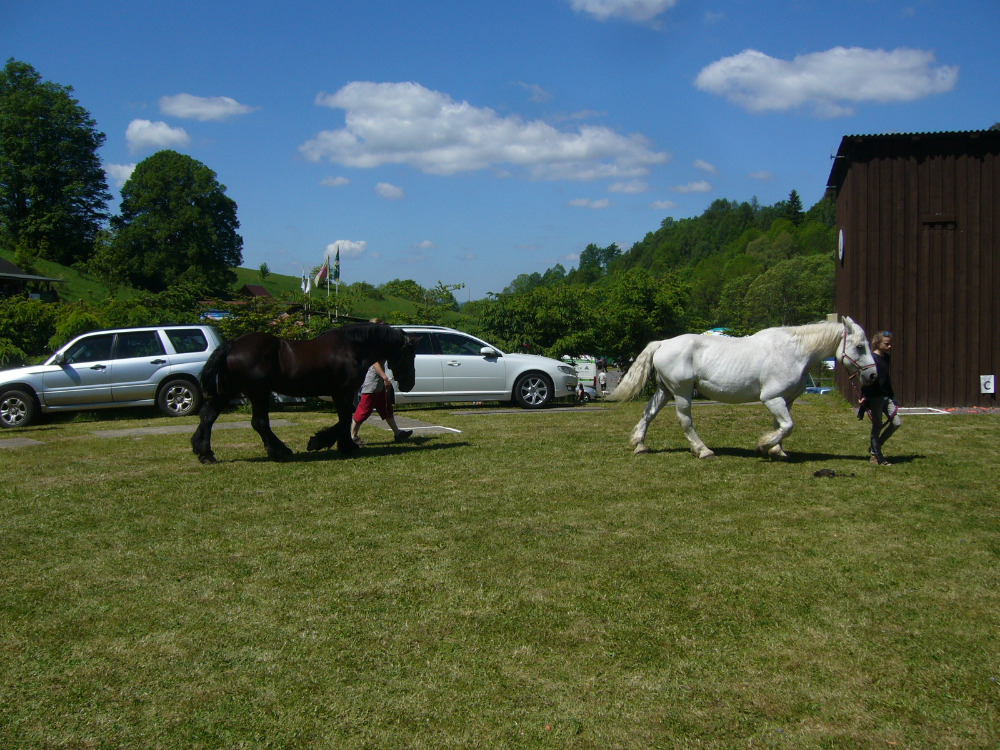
pixel 739 265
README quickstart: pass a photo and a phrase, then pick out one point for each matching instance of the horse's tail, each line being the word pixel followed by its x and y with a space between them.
pixel 215 374
pixel 635 379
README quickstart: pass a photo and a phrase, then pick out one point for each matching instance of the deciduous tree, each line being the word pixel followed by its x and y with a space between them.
pixel 53 192
pixel 176 224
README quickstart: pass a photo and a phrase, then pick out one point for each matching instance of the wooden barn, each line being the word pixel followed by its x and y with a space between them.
pixel 918 219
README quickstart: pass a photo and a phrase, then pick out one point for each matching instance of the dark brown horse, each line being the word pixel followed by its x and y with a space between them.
pixel 332 364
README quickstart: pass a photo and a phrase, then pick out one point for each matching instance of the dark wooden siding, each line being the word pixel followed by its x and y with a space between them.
pixel 920 216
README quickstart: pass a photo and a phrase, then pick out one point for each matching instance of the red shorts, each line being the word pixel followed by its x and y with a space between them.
pixel 373 402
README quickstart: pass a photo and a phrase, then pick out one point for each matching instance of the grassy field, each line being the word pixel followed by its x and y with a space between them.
pixel 526 583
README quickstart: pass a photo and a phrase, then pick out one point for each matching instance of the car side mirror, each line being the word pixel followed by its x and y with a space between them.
pixel 489 351
pixel 60 358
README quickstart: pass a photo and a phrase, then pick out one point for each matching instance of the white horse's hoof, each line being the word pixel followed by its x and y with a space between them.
pixel 777 453
pixel 640 449
pixel 706 454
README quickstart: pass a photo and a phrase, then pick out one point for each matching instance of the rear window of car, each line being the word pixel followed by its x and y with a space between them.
pixel 424 344
pixel 138 344
pixel 188 340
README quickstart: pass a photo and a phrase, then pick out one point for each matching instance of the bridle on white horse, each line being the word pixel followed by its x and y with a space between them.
pixel 858 369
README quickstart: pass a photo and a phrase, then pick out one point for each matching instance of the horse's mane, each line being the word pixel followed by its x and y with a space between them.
pixel 369 333
pixel 816 337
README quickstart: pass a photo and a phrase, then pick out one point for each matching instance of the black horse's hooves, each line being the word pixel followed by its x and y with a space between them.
pixel 348 446
pixel 322 439
pixel 208 458
pixel 316 444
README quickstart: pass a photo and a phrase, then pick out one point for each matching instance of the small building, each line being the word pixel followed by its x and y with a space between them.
pixel 14 283
pixel 918 223
pixel 254 290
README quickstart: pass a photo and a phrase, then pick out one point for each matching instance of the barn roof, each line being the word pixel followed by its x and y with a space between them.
pixel 9 271
pixel 255 290
pixel 860 147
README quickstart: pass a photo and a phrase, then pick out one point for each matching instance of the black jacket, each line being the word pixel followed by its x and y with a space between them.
pixel 882 385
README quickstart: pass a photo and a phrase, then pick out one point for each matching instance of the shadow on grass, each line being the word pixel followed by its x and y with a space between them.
pixel 372 450
pixel 794 457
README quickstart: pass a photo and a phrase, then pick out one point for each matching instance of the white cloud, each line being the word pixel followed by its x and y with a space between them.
pixel 704 166
pixel 591 204
pixel 119 173
pixel 828 82
pixel 143 135
pixel 630 187
pixel 390 192
pixel 425 245
pixel 762 175
pixel 692 187
pixel 632 10
pixel 405 123
pixel 334 181
pixel 663 205
pixel 348 249
pixel 202 107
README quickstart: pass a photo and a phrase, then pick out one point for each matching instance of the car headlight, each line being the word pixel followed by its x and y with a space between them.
pixel 567 370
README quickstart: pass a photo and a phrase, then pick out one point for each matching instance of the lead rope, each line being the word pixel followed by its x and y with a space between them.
pixel 858 369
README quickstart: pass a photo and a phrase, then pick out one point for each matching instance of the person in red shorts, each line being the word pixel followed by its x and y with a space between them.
pixel 376 395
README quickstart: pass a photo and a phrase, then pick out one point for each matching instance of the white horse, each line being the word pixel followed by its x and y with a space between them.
pixel 771 366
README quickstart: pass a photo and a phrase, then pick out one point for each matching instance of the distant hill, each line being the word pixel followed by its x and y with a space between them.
pixel 80 285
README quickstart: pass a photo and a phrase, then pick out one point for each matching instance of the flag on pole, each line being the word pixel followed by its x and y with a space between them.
pixel 336 266
pixel 306 281
pixel 323 272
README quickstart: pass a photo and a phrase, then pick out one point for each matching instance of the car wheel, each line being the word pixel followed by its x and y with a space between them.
pixel 179 398
pixel 532 391
pixel 586 398
pixel 17 409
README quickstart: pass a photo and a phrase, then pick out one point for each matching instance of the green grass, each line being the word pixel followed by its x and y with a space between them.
pixel 80 285
pixel 525 583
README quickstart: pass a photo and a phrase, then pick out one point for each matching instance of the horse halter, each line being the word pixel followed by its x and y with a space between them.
pixel 858 369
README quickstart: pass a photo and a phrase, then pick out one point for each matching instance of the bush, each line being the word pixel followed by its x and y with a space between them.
pixel 26 325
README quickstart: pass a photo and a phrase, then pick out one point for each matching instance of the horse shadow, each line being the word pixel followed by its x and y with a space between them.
pixel 862 457
pixel 794 457
pixel 372 450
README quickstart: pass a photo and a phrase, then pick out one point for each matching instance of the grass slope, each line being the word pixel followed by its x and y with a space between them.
pixel 524 583
pixel 80 285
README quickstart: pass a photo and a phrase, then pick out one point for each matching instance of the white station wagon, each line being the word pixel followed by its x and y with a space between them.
pixel 107 369
pixel 454 366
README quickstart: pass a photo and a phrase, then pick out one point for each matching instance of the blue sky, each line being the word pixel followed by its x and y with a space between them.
pixel 468 142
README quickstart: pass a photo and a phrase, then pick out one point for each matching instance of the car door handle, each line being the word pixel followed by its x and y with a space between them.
pixel 454 364
pixel 158 362
pixel 98 367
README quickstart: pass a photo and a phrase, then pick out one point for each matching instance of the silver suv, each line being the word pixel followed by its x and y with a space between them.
pixel 107 369
pixel 454 366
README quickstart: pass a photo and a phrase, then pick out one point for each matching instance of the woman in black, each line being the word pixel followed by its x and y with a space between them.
pixel 880 398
